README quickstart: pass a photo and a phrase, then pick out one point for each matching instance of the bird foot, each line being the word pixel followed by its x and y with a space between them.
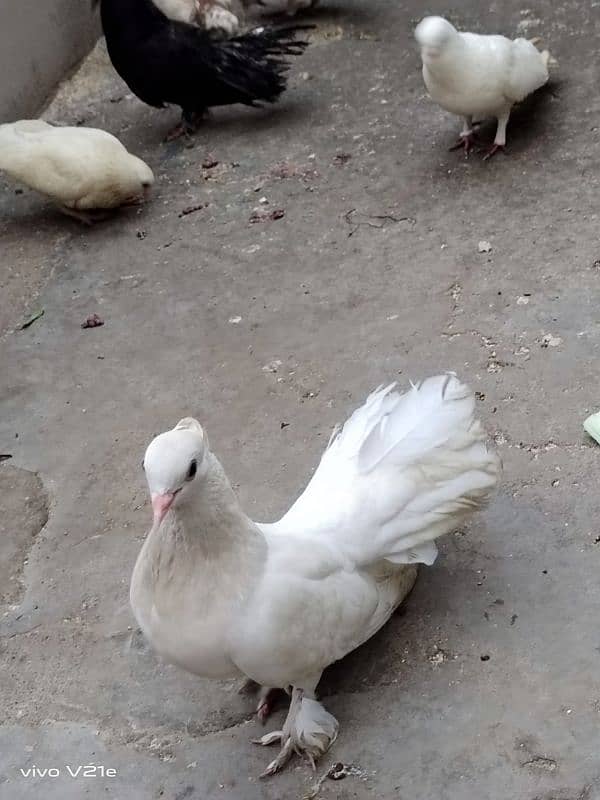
pixel 491 151
pixel 467 141
pixel 267 700
pixel 177 132
pixel 310 733
pixel 189 124
pixel 284 755
pixel 87 217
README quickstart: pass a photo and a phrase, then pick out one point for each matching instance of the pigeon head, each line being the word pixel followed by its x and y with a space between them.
pixel 172 461
pixel 143 177
pixel 434 34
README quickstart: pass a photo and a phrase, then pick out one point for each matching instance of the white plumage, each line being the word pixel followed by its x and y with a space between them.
pixel 221 595
pixel 477 76
pixel 82 169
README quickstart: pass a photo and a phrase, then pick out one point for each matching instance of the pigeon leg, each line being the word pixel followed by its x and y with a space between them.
pixel 500 140
pixel 308 729
pixel 466 139
pixel 88 217
pixel 190 122
pixel 267 699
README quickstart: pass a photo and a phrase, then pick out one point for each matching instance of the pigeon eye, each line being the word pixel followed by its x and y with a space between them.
pixel 192 470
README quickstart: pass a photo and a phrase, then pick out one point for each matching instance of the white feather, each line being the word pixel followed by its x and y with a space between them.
pixel 404 470
pixel 81 168
pixel 478 76
pixel 216 593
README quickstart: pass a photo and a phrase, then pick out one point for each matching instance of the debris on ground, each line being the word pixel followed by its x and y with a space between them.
pixel 210 163
pixel 191 209
pixel 30 320
pixel 5 456
pixel 266 216
pixel 341 158
pixel 549 340
pixel 484 247
pixel 287 169
pixel 93 321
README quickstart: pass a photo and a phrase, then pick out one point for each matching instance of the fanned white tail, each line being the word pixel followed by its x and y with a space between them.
pixel 403 470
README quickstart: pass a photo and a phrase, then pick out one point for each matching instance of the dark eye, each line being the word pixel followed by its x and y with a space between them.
pixel 192 470
pixel 143 467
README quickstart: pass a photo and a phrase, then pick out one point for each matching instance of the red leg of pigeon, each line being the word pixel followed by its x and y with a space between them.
pixel 190 122
pixel 491 151
pixel 500 140
pixel 467 138
pixel 267 700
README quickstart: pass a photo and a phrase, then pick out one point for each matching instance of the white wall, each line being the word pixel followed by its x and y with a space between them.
pixel 40 41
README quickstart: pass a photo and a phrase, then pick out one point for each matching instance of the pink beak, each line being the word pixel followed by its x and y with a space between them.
pixel 161 503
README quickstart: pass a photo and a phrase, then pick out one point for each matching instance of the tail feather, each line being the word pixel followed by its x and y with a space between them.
pixel 404 470
pixel 255 63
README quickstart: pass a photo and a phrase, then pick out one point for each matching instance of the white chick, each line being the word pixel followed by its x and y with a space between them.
pixel 82 169
pixel 477 76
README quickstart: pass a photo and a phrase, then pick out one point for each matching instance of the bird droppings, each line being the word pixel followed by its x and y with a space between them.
pixel 93 321
pixel 484 247
pixel 272 366
pixel 549 340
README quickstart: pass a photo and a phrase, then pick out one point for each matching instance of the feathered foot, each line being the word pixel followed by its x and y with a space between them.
pixel 308 729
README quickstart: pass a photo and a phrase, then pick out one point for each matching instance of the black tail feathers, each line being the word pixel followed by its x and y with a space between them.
pixel 255 62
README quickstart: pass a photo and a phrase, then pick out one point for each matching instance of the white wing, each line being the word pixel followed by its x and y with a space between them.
pixel 404 470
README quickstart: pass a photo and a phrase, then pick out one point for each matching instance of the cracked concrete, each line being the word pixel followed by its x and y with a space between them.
pixel 271 333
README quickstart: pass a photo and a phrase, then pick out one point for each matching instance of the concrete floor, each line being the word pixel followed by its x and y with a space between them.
pixel 486 684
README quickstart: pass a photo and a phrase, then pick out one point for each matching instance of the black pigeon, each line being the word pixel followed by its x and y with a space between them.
pixel 167 62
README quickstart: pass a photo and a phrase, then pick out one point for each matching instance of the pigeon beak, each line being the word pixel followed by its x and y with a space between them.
pixel 161 503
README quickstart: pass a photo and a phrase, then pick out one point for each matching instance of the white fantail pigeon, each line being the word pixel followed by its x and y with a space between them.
pixel 477 76
pixel 221 595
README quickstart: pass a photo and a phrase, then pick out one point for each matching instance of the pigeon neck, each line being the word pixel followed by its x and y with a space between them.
pixel 211 520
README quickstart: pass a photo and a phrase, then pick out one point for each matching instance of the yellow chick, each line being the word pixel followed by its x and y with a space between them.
pixel 82 169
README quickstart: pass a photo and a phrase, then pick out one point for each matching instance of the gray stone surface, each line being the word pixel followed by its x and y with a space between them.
pixel 486 684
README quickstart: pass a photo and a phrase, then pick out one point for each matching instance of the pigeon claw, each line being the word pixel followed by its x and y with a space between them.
pixel 491 152
pixel 280 760
pixel 466 141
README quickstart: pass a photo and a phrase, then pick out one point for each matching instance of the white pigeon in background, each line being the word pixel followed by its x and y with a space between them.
pixel 477 76
pixel 82 169
pixel 221 595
